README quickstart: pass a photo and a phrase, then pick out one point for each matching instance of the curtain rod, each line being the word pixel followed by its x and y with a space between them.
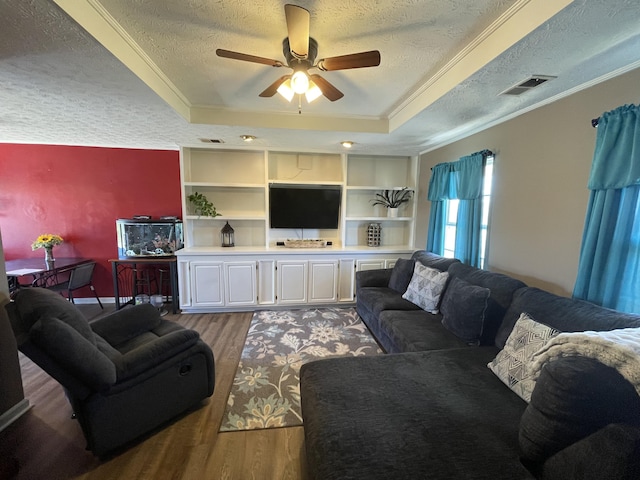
pixel 485 153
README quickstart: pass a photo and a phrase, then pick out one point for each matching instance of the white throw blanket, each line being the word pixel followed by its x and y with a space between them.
pixel 619 349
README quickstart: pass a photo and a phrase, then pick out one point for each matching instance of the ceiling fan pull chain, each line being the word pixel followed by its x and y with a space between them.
pixel 300 104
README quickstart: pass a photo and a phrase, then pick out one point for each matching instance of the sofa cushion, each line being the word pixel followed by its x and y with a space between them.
pixel 74 353
pixel 426 287
pixel 562 313
pixel 463 309
pixel 414 331
pixel 426 415
pixel 32 304
pixel 511 364
pixel 378 299
pixel 502 289
pixel 401 274
pixel 573 399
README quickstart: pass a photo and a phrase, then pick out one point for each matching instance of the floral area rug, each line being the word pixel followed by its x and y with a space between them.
pixel 266 388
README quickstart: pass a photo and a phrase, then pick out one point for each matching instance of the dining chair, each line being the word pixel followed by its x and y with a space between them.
pixel 79 277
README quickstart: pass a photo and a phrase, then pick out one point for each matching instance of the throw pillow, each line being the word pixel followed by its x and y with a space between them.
pixel 510 365
pixel 425 287
pixel 463 309
pixel 401 274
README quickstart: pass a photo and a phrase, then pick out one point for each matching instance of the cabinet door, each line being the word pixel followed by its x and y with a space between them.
pixel 292 281
pixel 240 283
pixel 372 264
pixel 207 284
pixel 323 281
pixel 184 283
pixel 346 280
pixel 390 263
pixel 266 282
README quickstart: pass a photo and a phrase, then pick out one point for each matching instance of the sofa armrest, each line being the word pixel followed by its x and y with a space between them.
pixel 154 353
pixel 611 452
pixel 123 325
pixel 373 278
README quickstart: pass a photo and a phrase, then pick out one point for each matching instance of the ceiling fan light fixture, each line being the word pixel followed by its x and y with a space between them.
pixel 286 91
pixel 313 92
pixel 300 82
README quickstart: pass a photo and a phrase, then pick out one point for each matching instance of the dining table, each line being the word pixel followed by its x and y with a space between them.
pixel 41 273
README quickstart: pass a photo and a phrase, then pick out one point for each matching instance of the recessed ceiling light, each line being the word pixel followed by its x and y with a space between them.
pixel 347 144
pixel 247 138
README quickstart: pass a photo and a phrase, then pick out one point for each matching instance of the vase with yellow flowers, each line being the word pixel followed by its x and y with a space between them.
pixel 47 241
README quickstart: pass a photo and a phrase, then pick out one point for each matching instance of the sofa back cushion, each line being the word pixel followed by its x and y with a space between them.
pixel 74 353
pixel 432 260
pixel 573 398
pixel 401 274
pixel 562 313
pixel 32 304
pixel 463 308
pixel 502 288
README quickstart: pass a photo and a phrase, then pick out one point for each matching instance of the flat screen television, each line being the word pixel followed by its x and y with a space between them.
pixel 304 206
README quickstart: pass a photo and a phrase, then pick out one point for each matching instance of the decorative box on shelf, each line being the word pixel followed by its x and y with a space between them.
pixel 145 237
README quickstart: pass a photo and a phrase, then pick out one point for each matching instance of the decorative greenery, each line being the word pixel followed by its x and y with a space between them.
pixel 393 198
pixel 202 206
pixel 46 240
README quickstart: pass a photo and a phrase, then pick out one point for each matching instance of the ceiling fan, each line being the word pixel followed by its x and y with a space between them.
pixel 300 52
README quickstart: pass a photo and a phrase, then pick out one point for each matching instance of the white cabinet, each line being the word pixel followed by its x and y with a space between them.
pixel 266 275
pixel 207 284
pixel 370 264
pixel 250 279
pixel 240 283
pixel 346 280
pixel 323 281
pixel 292 281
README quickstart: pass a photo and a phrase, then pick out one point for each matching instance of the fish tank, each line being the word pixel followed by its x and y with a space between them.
pixel 145 237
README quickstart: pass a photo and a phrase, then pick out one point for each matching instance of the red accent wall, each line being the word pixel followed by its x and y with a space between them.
pixel 78 193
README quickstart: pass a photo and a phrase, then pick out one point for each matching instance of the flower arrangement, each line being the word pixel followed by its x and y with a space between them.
pixel 46 240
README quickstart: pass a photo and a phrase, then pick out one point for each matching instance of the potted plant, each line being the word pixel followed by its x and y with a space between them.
pixel 392 199
pixel 202 206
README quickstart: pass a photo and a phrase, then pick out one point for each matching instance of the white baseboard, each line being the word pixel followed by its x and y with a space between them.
pixel 15 412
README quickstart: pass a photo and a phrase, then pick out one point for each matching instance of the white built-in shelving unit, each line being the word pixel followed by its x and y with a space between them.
pixel 237 183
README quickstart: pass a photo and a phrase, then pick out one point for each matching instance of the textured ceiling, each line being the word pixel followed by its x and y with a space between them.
pixel 144 74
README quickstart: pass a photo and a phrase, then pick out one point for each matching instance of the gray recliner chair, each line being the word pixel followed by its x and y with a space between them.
pixel 124 374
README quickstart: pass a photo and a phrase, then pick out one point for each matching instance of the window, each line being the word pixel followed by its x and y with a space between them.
pixel 451 216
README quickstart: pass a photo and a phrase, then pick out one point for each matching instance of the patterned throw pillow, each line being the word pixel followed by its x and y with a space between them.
pixel 426 287
pixel 511 364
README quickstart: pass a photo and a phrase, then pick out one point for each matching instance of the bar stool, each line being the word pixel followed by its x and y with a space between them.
pixel 142 278
pixel 165 279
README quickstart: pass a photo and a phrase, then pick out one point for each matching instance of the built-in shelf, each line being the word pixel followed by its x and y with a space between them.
pixel 237 183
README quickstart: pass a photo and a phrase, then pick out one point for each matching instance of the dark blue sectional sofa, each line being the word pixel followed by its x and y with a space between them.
pixel 432 409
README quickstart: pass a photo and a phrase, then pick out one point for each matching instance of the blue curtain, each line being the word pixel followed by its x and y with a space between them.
pixel 608 269
pixel 462 180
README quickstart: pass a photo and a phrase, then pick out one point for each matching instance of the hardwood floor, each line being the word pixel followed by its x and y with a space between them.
pixel 46 444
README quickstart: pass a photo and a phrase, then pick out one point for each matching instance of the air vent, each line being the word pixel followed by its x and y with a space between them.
pixel 528 84
pixel 211 140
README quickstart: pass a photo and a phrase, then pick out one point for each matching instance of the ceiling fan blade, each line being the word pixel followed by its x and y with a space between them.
pixel 271 90
pixel 354 60
pixel 328 90
pixel 248 58
pixel 298 28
